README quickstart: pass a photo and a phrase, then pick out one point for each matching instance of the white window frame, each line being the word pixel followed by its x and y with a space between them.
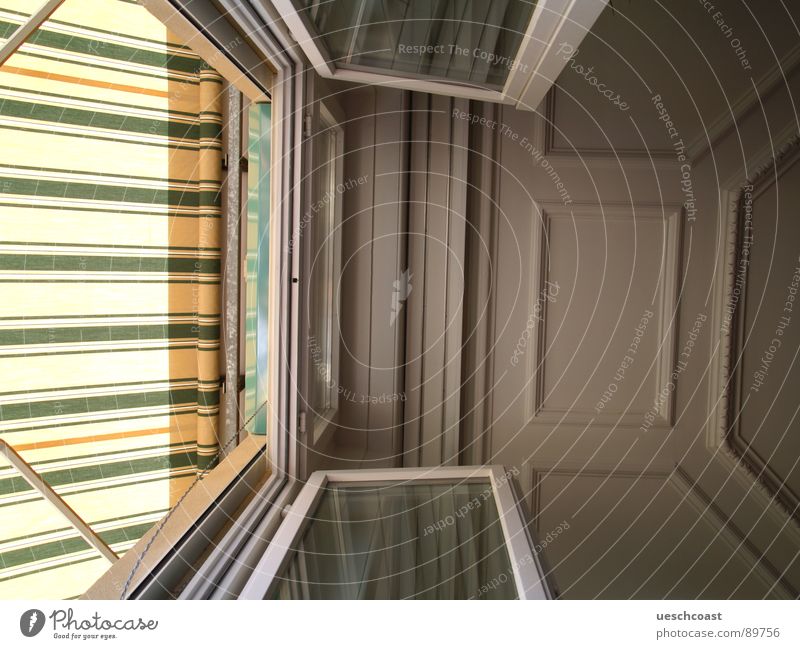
pixel 528 571
pixel 538 60
pixel 325 422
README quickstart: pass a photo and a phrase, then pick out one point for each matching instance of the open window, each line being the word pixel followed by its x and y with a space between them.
pixel 502 51
pixel 434 533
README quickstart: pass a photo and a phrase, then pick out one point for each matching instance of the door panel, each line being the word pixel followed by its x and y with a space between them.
pixel 586 300
pixel 609 254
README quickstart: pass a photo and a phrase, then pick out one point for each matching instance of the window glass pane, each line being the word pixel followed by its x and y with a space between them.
pixel 323 273
pixel 257 265
pixel 402 541
pixel 467 41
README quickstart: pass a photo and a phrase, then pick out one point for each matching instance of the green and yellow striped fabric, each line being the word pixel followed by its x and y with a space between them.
pixel 110 172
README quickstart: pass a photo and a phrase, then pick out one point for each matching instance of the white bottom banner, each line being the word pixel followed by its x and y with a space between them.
pixel 399 624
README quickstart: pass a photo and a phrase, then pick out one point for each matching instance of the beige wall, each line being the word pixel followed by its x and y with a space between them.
pixel 373 258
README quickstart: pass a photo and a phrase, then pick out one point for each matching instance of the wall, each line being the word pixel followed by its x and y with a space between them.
pixel 374 259
pixel 436 243
pixel 404 235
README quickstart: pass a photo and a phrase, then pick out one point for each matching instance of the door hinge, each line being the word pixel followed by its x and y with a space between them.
pixel 307 125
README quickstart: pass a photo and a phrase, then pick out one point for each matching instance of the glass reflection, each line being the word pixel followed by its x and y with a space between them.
pixel 402 541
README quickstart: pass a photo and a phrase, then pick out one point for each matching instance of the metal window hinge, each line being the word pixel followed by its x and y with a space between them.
pixel 301 422
pixel 223 383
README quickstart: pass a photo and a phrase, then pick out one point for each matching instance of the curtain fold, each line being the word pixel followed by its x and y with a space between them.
pixel 209 224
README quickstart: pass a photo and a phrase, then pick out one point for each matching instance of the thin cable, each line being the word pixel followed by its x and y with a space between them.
pixel 202 474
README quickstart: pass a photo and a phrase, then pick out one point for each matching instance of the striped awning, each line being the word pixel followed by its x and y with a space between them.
pixel 110 172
